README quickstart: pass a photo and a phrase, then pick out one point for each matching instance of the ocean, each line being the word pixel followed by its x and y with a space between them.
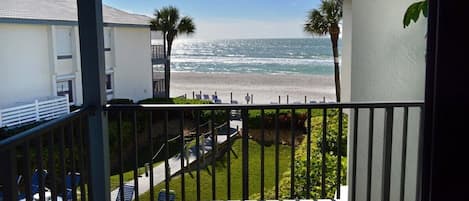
pixel 311 56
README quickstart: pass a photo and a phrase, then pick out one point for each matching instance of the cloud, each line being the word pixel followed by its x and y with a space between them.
pixel 234 28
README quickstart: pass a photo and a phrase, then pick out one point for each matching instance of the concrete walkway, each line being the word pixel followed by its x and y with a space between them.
pixel 175 164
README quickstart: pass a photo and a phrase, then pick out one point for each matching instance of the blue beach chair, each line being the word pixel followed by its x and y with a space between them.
pixel 128 191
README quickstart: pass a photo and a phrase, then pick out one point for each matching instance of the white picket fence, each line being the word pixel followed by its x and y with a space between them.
pixel 40 109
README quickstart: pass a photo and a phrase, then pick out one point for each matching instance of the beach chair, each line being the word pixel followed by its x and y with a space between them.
pixel 69 187
pixel 197 96
pixel 35 181
pixel 162 195
pixel 234 102
pixel 128 191
pixel 313 101
pixel 206 97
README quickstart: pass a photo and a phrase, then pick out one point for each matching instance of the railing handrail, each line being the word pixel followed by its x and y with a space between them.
pixel 40 129
pixel 352 105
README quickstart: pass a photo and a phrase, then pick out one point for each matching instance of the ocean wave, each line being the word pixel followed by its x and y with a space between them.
pixel 248 60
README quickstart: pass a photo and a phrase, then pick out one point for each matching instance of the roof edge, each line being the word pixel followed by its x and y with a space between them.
pixel 61 22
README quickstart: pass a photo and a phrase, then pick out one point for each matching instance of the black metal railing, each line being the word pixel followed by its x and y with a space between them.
pixel 157 52
pixel 159 123
pixel 48 162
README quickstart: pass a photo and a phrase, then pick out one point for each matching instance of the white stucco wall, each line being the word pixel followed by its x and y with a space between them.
pixel 387 64
pixel 29 67
pixel 133 73
pixel 346 63
pixel 388 61
pixel 25 72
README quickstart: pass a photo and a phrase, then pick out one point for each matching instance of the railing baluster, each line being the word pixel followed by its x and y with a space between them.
pixel 81 164
pixel 27 171
pixel 62 162
pixel 52 170
pixel 418 194
pixel 121 158
pixel 354 154
pixel 150 141
pixel 370 154
pixel 183 154
pixel 134 126
pixel 339 153
pixel 262 153
pixel 166 162
pixel 214 153
pixel 228 155
pixel 277 154
pixel 323 151
pixel 245 147
pixel 404 152
pixel 292 155
pixel 8 175
pixel 40 169
pixel 387 154
pixel 308 156
pixel 197 153
pixel 72 160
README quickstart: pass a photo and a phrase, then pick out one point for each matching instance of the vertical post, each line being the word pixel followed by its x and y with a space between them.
pixel 288 98
pixel 193 94
pixel 387 149
pixel 8 174
pixel 90 23
pixel 68 103
pixel 36 107
pixel 231 97
pixel 1 123
pixel 245 148
pixel 279 98
pixel 252 98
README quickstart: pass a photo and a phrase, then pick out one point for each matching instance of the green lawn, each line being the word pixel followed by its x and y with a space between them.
pixel 236 175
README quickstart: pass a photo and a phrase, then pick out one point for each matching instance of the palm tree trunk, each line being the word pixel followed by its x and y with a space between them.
pixel 335 51
pixel 167 69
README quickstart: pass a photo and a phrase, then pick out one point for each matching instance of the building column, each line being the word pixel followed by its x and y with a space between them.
pixel 90 22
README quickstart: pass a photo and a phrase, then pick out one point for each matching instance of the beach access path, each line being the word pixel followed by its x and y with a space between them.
pixel 174 165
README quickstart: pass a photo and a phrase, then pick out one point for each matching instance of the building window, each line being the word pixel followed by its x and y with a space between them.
pixel 65 88
pixel 109 84
pixel 107 39
pixel 64 42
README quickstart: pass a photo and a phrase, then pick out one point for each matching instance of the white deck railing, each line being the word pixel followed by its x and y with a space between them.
pixel 40 109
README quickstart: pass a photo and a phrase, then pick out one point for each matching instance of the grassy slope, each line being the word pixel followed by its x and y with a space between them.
pixel 236 175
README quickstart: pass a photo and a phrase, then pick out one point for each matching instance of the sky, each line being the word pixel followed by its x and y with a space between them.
pixel 225 19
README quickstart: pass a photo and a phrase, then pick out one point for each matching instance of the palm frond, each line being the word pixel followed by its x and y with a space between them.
pixel 186 26
pixel 328 15
pixel 316 23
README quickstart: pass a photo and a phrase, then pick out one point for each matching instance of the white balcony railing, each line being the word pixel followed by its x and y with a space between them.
pixel 38 110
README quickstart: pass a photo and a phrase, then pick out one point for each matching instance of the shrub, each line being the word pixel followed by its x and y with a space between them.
pixel 121 101
pixel 173 101
pixel 301 177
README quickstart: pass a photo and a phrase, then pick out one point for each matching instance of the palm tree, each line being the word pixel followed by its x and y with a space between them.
pixel 171 24
pixel 325 20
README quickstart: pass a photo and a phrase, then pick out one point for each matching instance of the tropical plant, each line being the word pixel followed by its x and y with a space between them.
pixel 413 12
pixel 325 20
pixel 171 24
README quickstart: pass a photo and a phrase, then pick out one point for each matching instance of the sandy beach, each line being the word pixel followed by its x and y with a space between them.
pixel 266 88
